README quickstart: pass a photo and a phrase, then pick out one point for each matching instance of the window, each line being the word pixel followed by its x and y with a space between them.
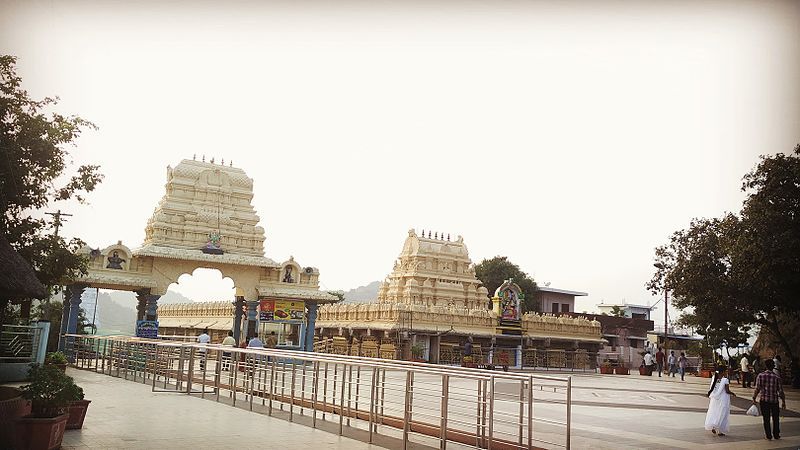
pixel 565 307
pixel 555 307
pixel 639 316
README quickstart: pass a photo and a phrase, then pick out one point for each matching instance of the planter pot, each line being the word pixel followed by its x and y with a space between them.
pixel 12 407
pixel 36 434
pixel 77 413
pixel 61 367
pixel 706 373
pixel 643 371
pixel 607 370
pixel 621 370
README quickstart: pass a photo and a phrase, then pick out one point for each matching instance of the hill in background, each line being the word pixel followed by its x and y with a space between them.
pixel 363 294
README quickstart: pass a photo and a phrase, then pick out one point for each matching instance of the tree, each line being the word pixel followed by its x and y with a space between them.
pixel 617 311
pixel 741 270
pixel 33 162
pixel 493 272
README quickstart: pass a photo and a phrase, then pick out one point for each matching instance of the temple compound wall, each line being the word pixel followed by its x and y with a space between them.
pixel 432 302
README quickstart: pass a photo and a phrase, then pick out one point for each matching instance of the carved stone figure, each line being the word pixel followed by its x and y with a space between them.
pixel 287 277
pixel 114 261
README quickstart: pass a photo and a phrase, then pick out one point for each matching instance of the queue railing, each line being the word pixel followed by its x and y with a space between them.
pixel 413 402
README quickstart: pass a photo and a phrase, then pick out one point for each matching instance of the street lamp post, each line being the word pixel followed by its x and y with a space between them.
pixel 666 302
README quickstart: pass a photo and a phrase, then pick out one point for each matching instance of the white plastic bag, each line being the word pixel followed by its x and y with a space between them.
pixel 753 411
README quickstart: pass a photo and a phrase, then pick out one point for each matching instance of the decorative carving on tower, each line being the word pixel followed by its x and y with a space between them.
pixel 206 207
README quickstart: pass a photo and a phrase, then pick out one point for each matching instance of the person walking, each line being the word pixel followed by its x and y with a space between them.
pixel 660 361
pixel 204 338
pixel 671 362
pixel 719 405
pixel 682 363
pixel 744 366
pixel 769 385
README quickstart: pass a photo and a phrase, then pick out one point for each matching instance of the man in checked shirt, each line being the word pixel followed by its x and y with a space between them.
pixel 769 385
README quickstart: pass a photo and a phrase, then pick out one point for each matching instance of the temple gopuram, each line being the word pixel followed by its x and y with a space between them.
pixel 206 219
pixel 432 303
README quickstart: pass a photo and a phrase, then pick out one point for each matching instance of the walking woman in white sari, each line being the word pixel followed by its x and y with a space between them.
pixel 719 405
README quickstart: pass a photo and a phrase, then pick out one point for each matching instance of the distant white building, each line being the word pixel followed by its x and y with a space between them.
pixel 552 300
pixel 630 310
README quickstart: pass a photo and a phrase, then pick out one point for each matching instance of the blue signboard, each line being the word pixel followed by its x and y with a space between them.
pixel 147 329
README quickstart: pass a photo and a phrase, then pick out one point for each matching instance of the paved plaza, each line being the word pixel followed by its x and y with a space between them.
pixel 609 411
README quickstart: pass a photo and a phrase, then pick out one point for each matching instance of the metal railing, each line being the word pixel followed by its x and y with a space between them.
pixel 413 402
pixel 19 343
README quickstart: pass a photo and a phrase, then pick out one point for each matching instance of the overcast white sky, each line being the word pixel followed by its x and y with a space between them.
pixel 572 138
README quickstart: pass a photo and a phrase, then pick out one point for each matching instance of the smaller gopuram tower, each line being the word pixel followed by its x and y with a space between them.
pixel 434 271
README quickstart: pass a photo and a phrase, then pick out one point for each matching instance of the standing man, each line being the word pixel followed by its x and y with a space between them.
pixel 682 363
pixel 204 338
pixel 660 361
pixel 272 340
pixel 648 363
pixel 467 358
pixel 744 366
pixel 771 389
pixel 229 341
pixel 671 361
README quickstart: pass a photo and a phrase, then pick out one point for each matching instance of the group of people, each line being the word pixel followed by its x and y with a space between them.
pixel 676 364
pixel 230 341
pixel 768 385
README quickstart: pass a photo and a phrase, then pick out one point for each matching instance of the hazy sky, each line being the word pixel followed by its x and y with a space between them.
pixel 572 138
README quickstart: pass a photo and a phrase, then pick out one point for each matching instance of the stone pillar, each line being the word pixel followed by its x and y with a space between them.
pixel 75 292
pixel 312 320
pixel 436 342
pixel 141 306
pixel 151 309
pixel 238 312
pixel 251 318
pixel 44 335
pixel 64 319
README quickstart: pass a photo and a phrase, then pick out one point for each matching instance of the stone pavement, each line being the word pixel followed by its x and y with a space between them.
pixel 126 415
pixel 609 411
pixel 633 411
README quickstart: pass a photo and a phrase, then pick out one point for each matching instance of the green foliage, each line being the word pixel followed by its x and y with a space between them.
pixel 493 272
pixel 50 391
pixel 743 269
pixel 417 350
pixel 617 311
pixel 33 161
pixel 55 358
pixel 337 294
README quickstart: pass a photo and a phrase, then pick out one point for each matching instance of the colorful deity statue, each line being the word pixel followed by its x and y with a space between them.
pixel 213 245
pixel 507 299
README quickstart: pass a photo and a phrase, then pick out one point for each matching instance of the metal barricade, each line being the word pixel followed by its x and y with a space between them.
pixel 413 402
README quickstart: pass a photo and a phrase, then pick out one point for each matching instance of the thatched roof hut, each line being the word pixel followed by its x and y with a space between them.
pixel 17 279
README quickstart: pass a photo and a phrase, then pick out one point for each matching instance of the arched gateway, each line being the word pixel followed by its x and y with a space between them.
pixel 205 220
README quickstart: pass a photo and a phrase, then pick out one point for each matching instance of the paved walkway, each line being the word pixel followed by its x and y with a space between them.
pixel 609 411
pixel 618 411
pixel 124 414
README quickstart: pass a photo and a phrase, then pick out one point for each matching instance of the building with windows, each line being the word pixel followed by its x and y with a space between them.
pixel 552 300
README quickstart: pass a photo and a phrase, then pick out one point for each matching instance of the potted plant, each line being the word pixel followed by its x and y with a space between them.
pixel 417 353
pixel 57 359
pixel 77 411
pixel 50 392
pixel 621 369
pixel 606 368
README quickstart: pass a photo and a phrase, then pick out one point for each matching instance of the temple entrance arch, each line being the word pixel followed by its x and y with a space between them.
pixel 204 220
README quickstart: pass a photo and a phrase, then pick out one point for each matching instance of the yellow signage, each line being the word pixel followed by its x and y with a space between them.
pixel 289 310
